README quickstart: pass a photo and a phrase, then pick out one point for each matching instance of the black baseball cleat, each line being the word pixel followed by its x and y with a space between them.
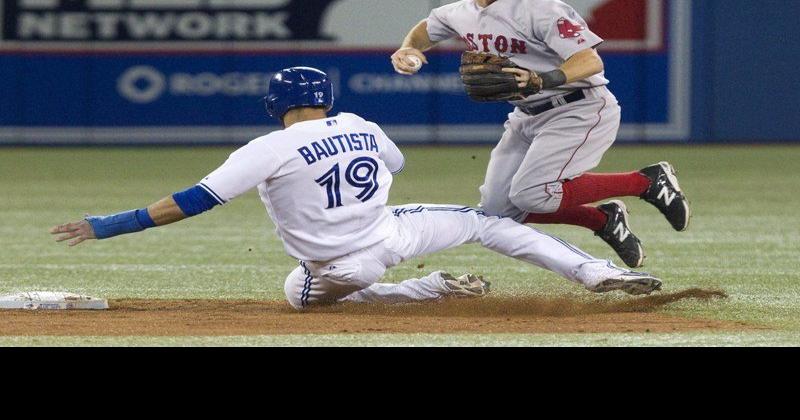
pixel 617 233
pixel 666 195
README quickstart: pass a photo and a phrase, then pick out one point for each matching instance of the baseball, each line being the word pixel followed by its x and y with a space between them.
pixel 415 62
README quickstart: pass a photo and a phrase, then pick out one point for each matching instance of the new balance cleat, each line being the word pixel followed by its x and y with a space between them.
pixel 617 233
pixel 666 195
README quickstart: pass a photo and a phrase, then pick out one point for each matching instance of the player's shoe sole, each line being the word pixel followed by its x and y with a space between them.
pixel 632 283
pixel 666 195
pixel 468 285
pixel 617 233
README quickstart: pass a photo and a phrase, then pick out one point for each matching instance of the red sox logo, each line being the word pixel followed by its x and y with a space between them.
pixel 567 29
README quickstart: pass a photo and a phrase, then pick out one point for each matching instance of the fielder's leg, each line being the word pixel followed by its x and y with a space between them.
pixel 506 159
pixel 566 145
pixel 553 185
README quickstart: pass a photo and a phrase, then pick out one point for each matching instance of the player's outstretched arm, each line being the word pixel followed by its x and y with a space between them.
pixel 168 210
pixel 414 44
pixel 245 168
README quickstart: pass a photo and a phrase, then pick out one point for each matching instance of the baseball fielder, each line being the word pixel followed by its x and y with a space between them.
pixel 325 182
pixel 563 122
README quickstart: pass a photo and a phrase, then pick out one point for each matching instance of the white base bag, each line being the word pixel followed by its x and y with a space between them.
pixel 51 301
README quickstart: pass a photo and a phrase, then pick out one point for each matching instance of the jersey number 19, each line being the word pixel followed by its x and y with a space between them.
pixel 361 173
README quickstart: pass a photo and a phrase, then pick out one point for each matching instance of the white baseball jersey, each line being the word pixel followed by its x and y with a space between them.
pixel 324 183
pixel 537 35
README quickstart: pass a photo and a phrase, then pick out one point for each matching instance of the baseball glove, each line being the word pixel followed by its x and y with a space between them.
pixel 485 80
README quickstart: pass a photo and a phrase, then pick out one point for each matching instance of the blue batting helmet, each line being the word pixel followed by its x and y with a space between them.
pixel 298 87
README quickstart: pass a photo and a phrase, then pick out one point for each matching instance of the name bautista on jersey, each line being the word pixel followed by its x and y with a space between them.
pixel 342 143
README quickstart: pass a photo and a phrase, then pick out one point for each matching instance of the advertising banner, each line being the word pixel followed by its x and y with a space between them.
pixel 194 71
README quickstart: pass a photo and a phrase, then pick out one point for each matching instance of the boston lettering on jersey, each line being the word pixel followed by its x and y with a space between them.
pixel 501 43
pixel 342 143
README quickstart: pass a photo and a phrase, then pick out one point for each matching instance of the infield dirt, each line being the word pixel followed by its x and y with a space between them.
pixel 134 317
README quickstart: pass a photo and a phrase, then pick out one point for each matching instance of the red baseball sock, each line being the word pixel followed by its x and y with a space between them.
pixel 589 188
pixel 586 216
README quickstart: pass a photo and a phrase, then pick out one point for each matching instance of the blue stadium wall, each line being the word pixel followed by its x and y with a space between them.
pixel 745 71
pixel 725 72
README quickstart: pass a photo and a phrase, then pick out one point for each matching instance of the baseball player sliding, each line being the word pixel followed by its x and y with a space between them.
pixel 540 56
pixel 325 182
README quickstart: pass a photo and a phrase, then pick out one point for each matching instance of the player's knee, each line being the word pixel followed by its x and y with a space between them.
pixel 496 203
pixel 533 200
pixel 292 296
pixel 494 207
pixel 293 289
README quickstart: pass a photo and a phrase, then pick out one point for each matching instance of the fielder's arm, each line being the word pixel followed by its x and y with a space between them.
pixel 416 42
pixel 168 210
pixel 583 64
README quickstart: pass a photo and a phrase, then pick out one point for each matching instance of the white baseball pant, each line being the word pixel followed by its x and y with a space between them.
pixel 422 229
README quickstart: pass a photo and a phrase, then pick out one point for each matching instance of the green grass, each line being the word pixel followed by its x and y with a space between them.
pixel 770 338
pixel 743 238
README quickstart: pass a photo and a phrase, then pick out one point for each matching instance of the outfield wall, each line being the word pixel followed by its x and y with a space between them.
pixel 193 71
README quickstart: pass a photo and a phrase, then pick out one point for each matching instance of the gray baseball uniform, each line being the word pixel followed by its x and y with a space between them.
pixel 538 151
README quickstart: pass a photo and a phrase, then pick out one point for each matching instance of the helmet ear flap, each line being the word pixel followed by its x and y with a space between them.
pixel 269 105
pixel 275 108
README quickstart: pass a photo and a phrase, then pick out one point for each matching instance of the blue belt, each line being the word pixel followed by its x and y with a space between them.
pixel 555 102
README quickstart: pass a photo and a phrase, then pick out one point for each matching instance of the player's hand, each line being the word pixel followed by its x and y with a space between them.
pixel 402 62
pixel 75 232
pixel 523 76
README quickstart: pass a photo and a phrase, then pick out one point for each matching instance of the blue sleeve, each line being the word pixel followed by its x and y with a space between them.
pixel 195 200
pixel 117 224
pixel 192 202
